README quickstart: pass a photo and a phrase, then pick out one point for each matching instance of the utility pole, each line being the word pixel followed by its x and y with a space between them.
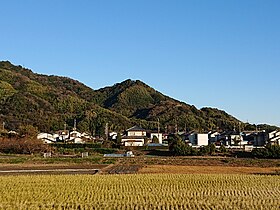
pixel 75 125
pixel 65 126
pixel 158 127
pixel 239 127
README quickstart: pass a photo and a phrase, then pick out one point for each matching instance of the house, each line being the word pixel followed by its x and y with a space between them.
pixel 75 137
pixel 46 138
pixel 260 138
pixel 232 138
pixel 249 136
pixel 213 136
pixel 87 137
pixel 61 135
pixel 65 136
pixel 198 139
pixel 274 138
pixel 135 136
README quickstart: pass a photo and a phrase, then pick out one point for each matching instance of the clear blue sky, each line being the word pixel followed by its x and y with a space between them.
pixel 218 53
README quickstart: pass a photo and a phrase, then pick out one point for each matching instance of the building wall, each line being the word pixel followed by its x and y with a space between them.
pixel 158 135
pixel 260 139
pixel 136 133
pixel 202 139
pixel 193 139
pixel 134 143
pixel 45 135
pixel 273 134
pixel 199 139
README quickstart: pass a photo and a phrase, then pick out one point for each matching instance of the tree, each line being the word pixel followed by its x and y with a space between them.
pixel 178 146
pixel 223 149
pixel 25 145
pixel 119 139
pixel 205 150
pixel 28 130
pixel 212 149
pixel 146 140
pixel 91 116
pixel 155 140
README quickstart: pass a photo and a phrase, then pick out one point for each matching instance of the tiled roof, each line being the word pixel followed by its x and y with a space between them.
pixel 136 128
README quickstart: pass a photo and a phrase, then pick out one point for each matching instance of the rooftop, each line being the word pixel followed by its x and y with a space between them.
pixel 135 128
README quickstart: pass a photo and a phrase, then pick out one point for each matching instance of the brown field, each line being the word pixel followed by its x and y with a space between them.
pixel 144 164
pixel 200 161
pixel 172 169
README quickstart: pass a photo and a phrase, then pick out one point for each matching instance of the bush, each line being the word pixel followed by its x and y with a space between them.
pixel 208 150
pixel 223 149
pixel 178 147
pixel 22 146
pixel 270 151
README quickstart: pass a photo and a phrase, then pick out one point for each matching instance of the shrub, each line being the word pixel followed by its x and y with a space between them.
pixel 22 145
pixel 270 151
pixel 178 147
pixel 223 149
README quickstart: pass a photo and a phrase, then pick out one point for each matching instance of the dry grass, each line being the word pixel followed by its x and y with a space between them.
pixel 140 191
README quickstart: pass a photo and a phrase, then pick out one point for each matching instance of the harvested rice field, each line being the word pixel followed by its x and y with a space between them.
pixel 140 191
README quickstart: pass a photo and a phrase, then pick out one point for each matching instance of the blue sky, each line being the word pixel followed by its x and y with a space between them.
pixel 216 53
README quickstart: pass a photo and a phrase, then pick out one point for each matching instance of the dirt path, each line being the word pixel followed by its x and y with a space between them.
pixel 26 169
pixel 49 171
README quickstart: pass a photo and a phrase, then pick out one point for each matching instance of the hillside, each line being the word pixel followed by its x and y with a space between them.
pixel 47 102
pixel 136 100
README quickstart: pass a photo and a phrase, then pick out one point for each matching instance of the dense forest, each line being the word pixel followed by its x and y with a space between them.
pixel 49 102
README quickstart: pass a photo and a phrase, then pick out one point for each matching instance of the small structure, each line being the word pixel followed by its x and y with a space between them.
pixel 84 154
pixel 113 135
pixel 127 154
pixel 47 155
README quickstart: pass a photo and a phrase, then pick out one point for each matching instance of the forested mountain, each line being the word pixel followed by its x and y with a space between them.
pixel 48 102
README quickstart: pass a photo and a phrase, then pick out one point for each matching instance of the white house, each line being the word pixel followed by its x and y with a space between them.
pixel 135 136
pixel 198 139
pixel 274 137
pixel 46 138
pixel 61 135
pixel 76 137
pixel 64 136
